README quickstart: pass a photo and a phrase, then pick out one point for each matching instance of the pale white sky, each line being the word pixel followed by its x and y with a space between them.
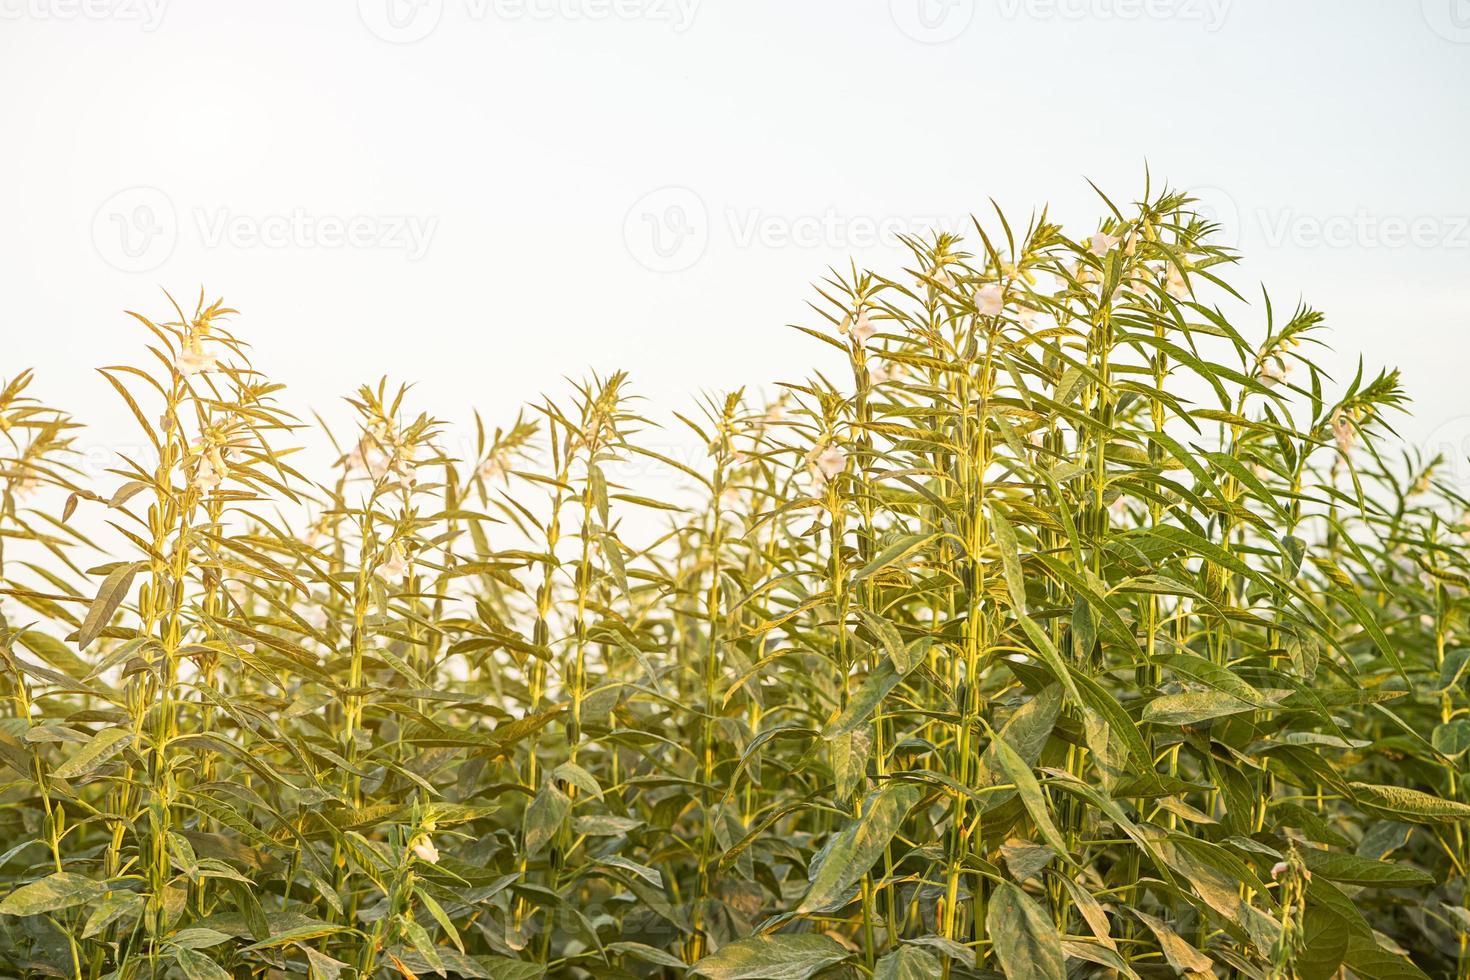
pixel 482 196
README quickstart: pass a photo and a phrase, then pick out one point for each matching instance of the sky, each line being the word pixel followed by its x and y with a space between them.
pixel 485 197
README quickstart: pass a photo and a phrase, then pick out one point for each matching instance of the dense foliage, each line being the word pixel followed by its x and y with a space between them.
pixel 1075 630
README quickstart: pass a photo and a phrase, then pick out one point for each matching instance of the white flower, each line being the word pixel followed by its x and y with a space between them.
pixel 206 474
pixel 205 478
pixel 26 485
pixel 1274 371
pixel 1281 867
pixel 1140 279
pixel 370 458
pixel 491 468
pixel 194 361
pixel 1344 432
pixel 884 372
pixel 861 330
pixel 1027 316
pixel 424 849
pixel 406 472
pixel 396 566
pixel 1174 283
pixel 989 300
pixel 825 462
pixel 1101 243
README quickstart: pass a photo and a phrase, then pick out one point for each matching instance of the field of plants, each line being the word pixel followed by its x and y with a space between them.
pixel 1071 629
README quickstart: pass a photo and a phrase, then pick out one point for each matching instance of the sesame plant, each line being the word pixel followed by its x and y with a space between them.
pixel 1062 625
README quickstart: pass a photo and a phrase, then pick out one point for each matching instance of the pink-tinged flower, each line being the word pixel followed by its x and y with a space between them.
pixel 368 457
pixel 25 486
pixel 1274 371
pixel 1102 243
pixel 396 566
pixel 1281 867
pixel 1027 316
pixel 861 329
pixel 885 371
pixel 1344 432
pixel 1175 284
pixel 989 300
pixel 406 472
pixel 492 468
pixel 195 362
pixel 424 849
pixel 206 477
pixel 825 462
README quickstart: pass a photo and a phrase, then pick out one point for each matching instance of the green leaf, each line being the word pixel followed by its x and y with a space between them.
pixel 1400 803
pixel 62 890
pixel 864 701
pixel 856 848
pixel 99 748
pixel 1193 707
pixel 783 957
pixel 570 772
pixel 907 963
pixel 904 657
pixel 1023 936
pixel 1350 869
pixel 900 548
pixel 110 594
pixel 544 816
pixel 1452 738
pixel 55 653
pixel 646 953
pixel 198 966
pixel 1187 961
pixel 1030 792
pixel 1010 556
